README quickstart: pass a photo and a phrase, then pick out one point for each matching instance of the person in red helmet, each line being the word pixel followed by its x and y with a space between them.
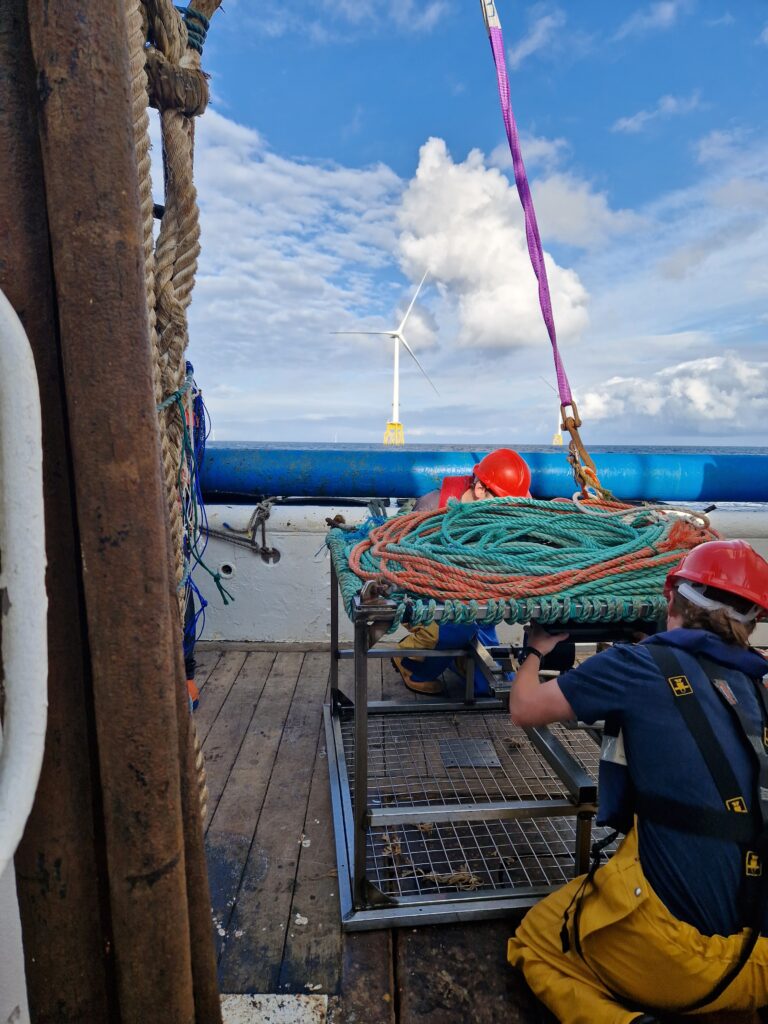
pixel 675 923
pixel 501 474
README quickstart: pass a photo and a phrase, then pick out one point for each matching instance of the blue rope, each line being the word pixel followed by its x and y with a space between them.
pixel 178 395
pixel 197 27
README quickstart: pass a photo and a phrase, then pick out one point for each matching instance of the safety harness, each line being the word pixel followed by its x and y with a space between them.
pixel 735 822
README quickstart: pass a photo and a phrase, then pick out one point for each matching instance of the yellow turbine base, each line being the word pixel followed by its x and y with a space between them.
pixel 557 439
pixel 394 434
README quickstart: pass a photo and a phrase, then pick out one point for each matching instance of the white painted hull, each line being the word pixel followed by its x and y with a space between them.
pixel 289 601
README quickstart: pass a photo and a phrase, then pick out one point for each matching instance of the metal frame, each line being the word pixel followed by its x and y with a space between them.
pixel 363 905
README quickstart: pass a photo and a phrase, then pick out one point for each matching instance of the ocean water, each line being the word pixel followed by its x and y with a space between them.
pixel 522 448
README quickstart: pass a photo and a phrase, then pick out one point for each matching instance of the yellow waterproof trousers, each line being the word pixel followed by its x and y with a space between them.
pixel 633 945
pixel 419 638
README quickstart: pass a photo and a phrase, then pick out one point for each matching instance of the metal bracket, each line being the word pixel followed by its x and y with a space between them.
pixel 483 660
pixel 247 537
pixel 578 783
pixel 340 702
pixel 374 897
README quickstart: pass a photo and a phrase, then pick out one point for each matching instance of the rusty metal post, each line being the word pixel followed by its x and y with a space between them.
pixel 60 875
pixel 96 240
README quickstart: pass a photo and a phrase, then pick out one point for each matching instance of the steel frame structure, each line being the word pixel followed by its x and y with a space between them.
pixel 358 810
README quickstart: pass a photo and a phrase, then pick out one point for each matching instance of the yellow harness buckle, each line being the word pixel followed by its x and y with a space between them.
pixel 680 685
pixel 736 804
pixel 752 866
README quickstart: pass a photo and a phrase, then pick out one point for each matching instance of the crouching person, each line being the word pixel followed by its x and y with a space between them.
pixel 501 474
pixel 674 922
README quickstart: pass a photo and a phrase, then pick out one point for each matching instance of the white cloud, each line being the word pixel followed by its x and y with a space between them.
pixel 569 210
pixel 724 21
pixel 464 222
pixel 289 251
pixel 417 17
pixel 327 21
pixel 539 153
pixel 667 106
pixel 576 215
pixel 746 193
pixel 724 393
pixel 720 145
pixel 294 250
pixel 543 28
pixel 656 17
pixel 763 37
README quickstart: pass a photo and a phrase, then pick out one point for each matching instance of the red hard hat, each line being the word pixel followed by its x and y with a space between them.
pixel 504 473
pixel 730 565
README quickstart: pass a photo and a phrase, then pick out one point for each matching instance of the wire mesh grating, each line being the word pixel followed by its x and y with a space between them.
pixel 415 860
pixel 408 766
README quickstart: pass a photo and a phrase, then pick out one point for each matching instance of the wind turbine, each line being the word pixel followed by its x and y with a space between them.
pixel 393 433
pixel 558 438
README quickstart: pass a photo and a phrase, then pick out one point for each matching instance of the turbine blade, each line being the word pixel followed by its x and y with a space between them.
pixel 389 334
pixel 413 357
pixel 408 311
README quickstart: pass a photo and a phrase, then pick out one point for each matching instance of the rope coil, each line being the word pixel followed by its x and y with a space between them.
pixel 197 27
pixel 517 559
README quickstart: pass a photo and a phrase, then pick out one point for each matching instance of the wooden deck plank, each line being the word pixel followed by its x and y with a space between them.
pixel 251 957
pixel 234 822
pixel 312 955
pixel 346 677
pixel 456 973
pixel 205 663
pixel 217 688
pixel 392 685
pixel 226 735
pixel 367 978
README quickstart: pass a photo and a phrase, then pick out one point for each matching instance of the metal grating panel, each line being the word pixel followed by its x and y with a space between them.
pixel 580 744
pixel 406 767
pixel 466 857
pixel 465 758
pixel 468 754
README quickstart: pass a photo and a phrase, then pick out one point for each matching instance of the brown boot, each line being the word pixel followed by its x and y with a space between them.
pixel 429 687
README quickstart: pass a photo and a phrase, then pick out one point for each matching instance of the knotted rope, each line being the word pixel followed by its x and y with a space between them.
pixel 515 559
pixel 165 46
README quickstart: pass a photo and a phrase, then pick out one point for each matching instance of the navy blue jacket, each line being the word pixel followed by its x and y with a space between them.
pixel 696 877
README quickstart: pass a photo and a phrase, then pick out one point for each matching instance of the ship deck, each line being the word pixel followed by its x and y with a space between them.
pixel 272 866
pixel 272 863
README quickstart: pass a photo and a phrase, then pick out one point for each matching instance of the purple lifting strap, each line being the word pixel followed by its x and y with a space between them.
pixel 523 190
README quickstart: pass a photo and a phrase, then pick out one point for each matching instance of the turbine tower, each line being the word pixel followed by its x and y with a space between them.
pixel 393 434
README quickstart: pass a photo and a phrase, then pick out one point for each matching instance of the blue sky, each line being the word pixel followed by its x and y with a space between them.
pixel 350 146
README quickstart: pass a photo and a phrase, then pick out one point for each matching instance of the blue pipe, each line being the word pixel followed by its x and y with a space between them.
pixel 245 470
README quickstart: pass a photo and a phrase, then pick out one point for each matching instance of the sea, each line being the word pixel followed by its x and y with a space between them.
pixel 522 448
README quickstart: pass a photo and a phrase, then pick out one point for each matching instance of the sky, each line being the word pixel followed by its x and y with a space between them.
pixel 350 146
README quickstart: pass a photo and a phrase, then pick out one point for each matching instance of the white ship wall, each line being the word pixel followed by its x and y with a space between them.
pixel 13 988
pixel 289 601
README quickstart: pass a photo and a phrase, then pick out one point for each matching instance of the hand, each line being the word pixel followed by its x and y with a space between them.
pixel 542 640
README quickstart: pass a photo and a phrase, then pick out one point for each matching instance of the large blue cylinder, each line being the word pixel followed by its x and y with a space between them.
pixel 245 470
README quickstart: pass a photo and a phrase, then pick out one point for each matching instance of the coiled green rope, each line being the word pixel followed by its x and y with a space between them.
pixel 515 559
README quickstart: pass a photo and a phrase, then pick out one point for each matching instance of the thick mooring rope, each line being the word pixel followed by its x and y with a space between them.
pixel 508 557
pixel 177 87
